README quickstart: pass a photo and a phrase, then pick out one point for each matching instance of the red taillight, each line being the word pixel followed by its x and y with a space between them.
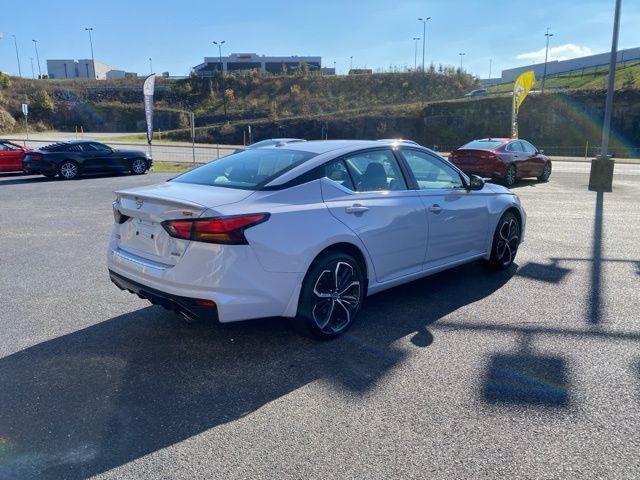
pixel 227 230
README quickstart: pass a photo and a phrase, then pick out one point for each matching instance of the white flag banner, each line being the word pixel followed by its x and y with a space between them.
pixel 148 89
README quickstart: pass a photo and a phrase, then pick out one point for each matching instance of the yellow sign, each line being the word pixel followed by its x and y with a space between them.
pixel 521 88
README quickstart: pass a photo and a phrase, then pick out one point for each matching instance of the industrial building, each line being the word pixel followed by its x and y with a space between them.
pixel 556 67
pixel 237 62
pixel 85 68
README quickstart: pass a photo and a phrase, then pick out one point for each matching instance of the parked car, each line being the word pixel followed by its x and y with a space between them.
pixel 306 231
pixel 12 156
pixel 505 159
pixel 72 158
pixel 270 143
pixel 477 92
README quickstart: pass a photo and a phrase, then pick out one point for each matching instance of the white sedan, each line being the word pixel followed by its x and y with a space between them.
pixel 306 230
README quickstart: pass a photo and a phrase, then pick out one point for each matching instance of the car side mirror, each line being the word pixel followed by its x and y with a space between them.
pixel 475 182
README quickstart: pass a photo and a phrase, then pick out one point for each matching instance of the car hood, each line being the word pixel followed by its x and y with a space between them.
pixel 203 195
pixel 497 188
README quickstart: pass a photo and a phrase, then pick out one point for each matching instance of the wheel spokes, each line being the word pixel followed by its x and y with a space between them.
pixel 338 295
pixel 322 288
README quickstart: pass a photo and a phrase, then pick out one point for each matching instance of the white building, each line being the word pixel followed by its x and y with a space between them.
pixel 84 68
pixel 250 61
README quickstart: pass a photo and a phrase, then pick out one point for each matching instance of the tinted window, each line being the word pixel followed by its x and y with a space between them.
pixel 337 171
pixel 431 172
pixel 482 145
pixel 248 169
pixel 374 171
pixel 527 147
pixel 94 147
pixel 514 147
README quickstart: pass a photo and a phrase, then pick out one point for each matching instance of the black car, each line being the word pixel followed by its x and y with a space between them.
pixel 73 158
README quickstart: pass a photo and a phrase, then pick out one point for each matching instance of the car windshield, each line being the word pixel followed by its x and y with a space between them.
pixel 247 170
pixel 481 145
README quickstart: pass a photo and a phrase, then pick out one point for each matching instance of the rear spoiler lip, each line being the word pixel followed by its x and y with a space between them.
pixel 161 198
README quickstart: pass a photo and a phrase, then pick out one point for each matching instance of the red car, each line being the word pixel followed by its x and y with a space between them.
pixel 11 156
pixel 506 159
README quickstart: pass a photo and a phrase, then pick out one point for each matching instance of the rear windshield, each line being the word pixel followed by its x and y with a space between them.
pixel 482 145
pixel 250 169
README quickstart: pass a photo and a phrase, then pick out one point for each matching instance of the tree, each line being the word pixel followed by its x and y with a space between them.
pixel 41 102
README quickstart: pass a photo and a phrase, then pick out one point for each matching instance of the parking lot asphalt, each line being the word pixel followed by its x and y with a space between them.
pixel 529 373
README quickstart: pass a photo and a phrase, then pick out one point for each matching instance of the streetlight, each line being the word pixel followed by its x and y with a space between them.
pixel 15 43
pixel 224 87
pixel 546 57
pixel 601 175
pixel 335 72
pixel 415 53
pixel 351 62
pixel 93 60
pixel 490 62
pixel 424 36
pixel 33 75
pixel 150 65
pixel 461 55
pixel 35 44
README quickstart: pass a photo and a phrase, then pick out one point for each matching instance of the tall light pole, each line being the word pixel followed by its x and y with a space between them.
pixel 546 57
pixel 35 45
pixel 150 65
pixel 490 62
pixel 33 74
pixel 15 43
pixel 415 53
pixel 335 72
pixel 461 55
pixel 93 60
pixel 351 62
pixel 224 86
pixel 424 36
pixel 601 176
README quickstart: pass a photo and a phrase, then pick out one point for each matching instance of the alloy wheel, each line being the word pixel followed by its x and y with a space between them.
pixel 507 245
pixel 337 297
pixel 138 166
pixel 546 173
pixel 68 170
pixel 510 176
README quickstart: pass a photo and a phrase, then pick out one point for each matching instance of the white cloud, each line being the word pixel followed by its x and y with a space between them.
pixel 560 52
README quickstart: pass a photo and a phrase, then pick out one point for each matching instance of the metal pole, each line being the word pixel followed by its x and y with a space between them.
pixel 35 43
pixel 193 135
pixel 150 66
pixel 351 62
pixel 424 37
pixel 461 55
pixel 33 74
pixel 93 60
pixel 490 61
pixel 546 56
pixel 606 127
pixel 15 43
pixel 224 86
pixel 415 53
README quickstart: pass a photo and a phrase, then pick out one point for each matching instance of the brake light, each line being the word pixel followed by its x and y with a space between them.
pixel 225 230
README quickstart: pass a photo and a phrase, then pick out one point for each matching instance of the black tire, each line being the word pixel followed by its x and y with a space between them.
pixel 68 170
pixel 343 301
pixel 546 173
pixel 138 166
pixel 506 240
pixel 510 176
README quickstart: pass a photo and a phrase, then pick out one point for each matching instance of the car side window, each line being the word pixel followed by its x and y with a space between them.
pixel 3 147
pixel 527 147
pixel 375 170
pixel 514 147
pixel 337 171
pixel 431 172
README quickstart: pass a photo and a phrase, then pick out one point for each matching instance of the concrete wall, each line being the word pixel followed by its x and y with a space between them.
pixel 83 68
pixel 252 60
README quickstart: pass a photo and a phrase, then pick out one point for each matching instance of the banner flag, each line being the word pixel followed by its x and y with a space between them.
pixel 147 90
pixel 521 88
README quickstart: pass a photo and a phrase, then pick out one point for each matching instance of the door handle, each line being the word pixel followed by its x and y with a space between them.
pixel 356 208
pixel 435 208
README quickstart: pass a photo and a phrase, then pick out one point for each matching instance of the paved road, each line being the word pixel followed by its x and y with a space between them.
pixel 529 373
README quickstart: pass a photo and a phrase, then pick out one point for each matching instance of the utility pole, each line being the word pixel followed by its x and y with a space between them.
pixel 424 36
pixel 601 176
pixel 461 55
pixel 415 53
pixel 15 43
pixel 93 60
pixel 546 57
pixel 35 44
pixel 224 86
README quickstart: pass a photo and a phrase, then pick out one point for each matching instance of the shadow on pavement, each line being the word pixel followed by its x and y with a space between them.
pixel 92 400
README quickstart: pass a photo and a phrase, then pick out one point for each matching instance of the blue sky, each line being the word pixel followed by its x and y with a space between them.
pixel 378 33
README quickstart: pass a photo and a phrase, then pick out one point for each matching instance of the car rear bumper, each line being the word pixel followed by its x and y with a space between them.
pixel 191 308
pixel 492 170
pixel 40 166
pixel 229 275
